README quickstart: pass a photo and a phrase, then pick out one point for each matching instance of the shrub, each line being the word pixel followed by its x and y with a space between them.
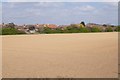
pixel 109 29
pixel 0 31
pixel 47 30
pixel 117 28
pixel 95 29
pixel 84 29
pixel 11 31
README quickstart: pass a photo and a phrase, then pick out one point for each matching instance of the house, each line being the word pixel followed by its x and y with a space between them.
pixel 30 29
pixel 39 25
pixel 93 25
pixel 51 26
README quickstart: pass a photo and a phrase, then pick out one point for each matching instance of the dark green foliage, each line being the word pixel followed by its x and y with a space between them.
pixel 58 30
pixel 69 29
pixel 48 30
pixel 76 29
pixel 0 31
pixel 117 28
pixel 109 29
pixel 11 31
pixel 72 29
pixel 95 29
pixel 84 29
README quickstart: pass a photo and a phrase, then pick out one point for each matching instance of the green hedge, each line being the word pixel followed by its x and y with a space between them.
pixel 69 29
pixel 11 31
pixel 0 31
pixel 118 29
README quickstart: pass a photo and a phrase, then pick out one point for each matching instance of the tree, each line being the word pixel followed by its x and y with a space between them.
pixel 84 29
pixel 82 23
pixel 109 29
pixel 0 31
pixel 47 30
pixel 10 25
pixel 117 28
pixel 41 30
pixel 95 29
pixel 11 31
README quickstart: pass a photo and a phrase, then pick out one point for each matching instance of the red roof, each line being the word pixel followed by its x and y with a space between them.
pixel 52 26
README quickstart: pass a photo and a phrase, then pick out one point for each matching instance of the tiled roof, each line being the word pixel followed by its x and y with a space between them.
pixel 52 26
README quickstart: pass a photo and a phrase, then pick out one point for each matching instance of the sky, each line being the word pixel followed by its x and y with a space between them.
pixel 60 0
pixel 61 13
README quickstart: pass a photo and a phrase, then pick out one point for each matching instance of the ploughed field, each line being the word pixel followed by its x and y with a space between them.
pixel 81 55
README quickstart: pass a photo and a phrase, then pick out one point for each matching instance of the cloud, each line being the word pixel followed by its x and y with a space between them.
pixel 85 8
pixel 48 4
pixel 59 13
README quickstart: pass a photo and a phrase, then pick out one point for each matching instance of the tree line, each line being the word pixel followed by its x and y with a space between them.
pixel 73 28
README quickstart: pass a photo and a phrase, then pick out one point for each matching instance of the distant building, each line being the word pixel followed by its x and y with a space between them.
pixel 31 29
pixel 92 25
pixel 52 26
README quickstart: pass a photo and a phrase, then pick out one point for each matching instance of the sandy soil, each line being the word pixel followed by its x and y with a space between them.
pixel 84 55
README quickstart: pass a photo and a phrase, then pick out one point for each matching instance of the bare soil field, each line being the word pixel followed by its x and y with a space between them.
pixel 81 55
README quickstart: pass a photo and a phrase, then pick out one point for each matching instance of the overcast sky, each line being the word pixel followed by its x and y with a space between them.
pixel 60 12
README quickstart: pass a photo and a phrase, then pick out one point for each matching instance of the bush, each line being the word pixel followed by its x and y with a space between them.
pixel 0 31
pixel 84 29
pixel 95 29
pixel 109 29
pixel 47 30
pixel 77 29
pixel 11 31
pixel 69 29
pixel 117 28
pixel 73 29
